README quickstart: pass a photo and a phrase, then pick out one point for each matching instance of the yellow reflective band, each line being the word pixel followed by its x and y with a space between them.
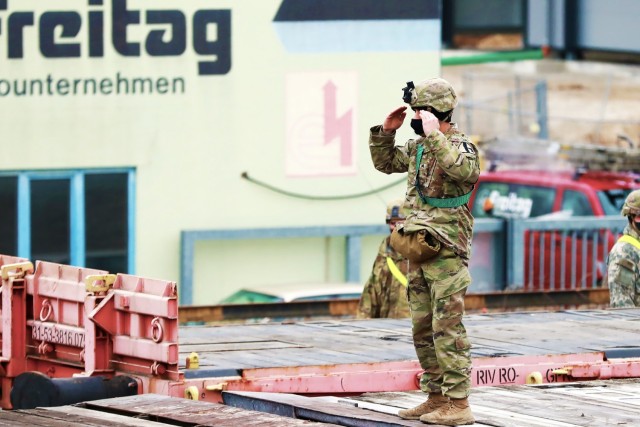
pixel 396 272
pixel 627 239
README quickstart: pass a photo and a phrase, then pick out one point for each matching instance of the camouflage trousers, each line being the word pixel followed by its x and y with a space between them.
pixel 436 297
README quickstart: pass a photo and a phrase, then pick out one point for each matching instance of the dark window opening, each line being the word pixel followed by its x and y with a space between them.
pixel 106 212
pixel 9 216
pixel 613 200
pixel 577 203
pixel 50 221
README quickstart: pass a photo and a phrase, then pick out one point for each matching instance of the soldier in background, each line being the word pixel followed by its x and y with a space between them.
pixel 623 272
pixel 385 293
pixel 442 166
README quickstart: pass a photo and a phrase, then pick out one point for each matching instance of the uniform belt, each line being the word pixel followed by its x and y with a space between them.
pixel 451 202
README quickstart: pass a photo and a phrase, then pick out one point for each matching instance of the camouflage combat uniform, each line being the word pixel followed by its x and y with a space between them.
pixel 449 168
pixel 624 272
pixel 383 294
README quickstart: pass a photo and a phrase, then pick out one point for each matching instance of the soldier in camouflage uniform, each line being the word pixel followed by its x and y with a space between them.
pixel 624 259
pixel 385 293
pixel 442 166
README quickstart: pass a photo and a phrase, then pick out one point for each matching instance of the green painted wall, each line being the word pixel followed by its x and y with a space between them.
pixel 190 148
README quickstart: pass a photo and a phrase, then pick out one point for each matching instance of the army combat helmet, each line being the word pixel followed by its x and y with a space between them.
pixel 395 211
pixel 436 93
pixel 631 205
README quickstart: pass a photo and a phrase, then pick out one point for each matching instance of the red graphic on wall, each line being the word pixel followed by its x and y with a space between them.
pixel 321 120
pixel 337 127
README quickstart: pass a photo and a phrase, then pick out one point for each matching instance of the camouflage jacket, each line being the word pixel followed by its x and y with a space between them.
pixel 383 295
pixel 449 168
pixel 623 272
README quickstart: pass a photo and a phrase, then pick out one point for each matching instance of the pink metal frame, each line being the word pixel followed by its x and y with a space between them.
pixel 55 332
pixel 603 370
pixel 141 317
pixel 66 321
pixel 13 361
pixel 388 376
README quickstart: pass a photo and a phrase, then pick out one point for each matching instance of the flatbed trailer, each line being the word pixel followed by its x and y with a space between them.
pixel 64 327
pixel 356 356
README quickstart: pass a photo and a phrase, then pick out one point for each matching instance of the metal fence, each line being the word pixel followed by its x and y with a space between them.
pixel 503 105
pixel 569 107
pixel 560 254
pixel 514 254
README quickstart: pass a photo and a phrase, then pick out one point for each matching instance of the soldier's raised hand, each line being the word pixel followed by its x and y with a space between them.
pixel 394 120
pixel 429 122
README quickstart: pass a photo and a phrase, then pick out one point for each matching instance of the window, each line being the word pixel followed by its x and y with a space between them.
pixel 8 215
pixel 576 202
pixel 612 200
pixel 484 191
pixel 106 213
pixel 50 220
pixel 82 218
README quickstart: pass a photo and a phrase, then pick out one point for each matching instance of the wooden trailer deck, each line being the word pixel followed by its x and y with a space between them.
pixel 593 403
pixel 363 369
pixel 506 348
pixel 148 410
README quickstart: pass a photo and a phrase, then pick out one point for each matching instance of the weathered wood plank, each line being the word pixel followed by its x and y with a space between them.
pixel 192 413
pixel 316 409
pixel 594 403
pixel 503 418
pixel 109 419
pixel 20 418
pixel 237 346
pixel 565 408
pixel 43 417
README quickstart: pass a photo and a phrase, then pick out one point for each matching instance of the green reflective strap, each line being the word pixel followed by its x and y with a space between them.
pixel 451 202
pixel 418 160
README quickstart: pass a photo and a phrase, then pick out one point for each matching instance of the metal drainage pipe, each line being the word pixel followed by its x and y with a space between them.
pixel 34 389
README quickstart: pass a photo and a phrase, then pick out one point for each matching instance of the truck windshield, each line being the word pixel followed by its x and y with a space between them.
pixel 612 200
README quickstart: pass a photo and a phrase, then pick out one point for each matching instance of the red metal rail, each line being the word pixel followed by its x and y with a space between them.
pixel 602 370
pixel 359 378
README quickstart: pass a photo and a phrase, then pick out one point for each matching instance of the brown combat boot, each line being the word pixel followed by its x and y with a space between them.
pixel 456 413
pixel 435 401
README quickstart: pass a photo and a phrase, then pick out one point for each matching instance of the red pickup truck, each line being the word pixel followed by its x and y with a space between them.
pixel 528 194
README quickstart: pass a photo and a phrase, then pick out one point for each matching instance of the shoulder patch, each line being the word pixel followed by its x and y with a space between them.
pixel 626 263
pixel 467 148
